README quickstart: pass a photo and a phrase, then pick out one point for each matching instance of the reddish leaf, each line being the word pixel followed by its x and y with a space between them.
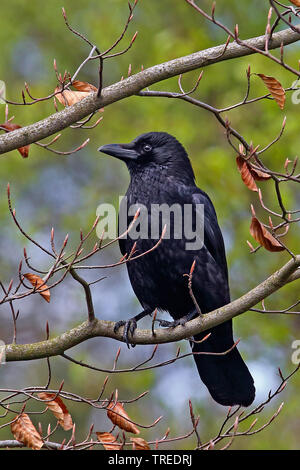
pixel 296 2
pixel 37 281
pixel 8 127
pixel 25 432
pixel 275 88
pixel 245 171
pixel 108 441
pixel 249 174
pixel 84 86
pixel 259 175
pixel 69 97
pixel 263 237
pixel 139 444
pixel 59 409
pixel 119 417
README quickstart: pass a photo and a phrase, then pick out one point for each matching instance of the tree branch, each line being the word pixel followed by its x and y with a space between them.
pixel 56 346
pixel 135 83
pixel 10 443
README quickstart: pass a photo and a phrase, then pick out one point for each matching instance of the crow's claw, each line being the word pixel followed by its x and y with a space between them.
pixel 118 325
pixel 130 325
pixel 171 324
pixel 129 328
pixel 168 324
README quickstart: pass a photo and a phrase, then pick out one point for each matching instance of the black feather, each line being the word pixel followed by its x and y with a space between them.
pixel 161 173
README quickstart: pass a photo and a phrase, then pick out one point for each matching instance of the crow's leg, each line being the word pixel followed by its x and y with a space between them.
pixel 181 321
pixel 130 325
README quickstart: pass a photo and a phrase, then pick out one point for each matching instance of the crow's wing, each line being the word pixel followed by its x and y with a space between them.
pixel 213 239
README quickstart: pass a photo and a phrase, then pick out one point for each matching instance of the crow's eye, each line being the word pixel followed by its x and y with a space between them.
pixel 147 148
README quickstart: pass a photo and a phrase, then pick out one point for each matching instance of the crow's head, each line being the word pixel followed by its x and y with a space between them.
pixel 154 149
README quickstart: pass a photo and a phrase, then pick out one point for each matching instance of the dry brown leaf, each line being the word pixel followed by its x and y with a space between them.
pixel 245 171
pixel 263 236
pixel 83 86
pixel 37 281
pixel 249 174
pixel 139 444
pixel 69 97
pixel 25 432
pixel 121 419
pixel 275 88
pixel 296 2
pixel 108 441
pixel 259 175
pixel 8 127
pixel 59 409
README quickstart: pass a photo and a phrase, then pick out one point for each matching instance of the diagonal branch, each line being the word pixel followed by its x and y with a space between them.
pixel 100 328
pixel 135 83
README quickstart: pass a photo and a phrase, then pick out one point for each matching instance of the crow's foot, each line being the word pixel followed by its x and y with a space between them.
pixel 172 324
pixel 129 328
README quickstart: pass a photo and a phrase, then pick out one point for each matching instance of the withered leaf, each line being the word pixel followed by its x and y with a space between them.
pixel 296 2
pixel 108 441
pixel 139 444
pixel 25 432
pixel 119 417
pixel 69 97
pixel 83 86
pixel 249 174
pixel 259 175
pixel 275 88
pixel 8 127
pixel 245 171
pixel 59 409
pixel 263 236
pixel 37 282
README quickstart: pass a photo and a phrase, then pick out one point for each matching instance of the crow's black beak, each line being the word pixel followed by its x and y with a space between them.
pixel 121 151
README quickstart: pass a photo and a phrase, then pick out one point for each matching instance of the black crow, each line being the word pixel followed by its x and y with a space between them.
pixel 161 173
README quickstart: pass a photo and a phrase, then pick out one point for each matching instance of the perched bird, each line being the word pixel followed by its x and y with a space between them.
pixel 161 173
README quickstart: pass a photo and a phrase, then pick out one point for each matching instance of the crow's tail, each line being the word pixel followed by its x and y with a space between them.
pixel 226 377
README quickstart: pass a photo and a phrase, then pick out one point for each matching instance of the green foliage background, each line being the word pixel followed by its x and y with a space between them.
pixel 64 192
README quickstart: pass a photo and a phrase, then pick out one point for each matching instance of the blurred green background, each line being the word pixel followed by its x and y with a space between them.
pixel 64 191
